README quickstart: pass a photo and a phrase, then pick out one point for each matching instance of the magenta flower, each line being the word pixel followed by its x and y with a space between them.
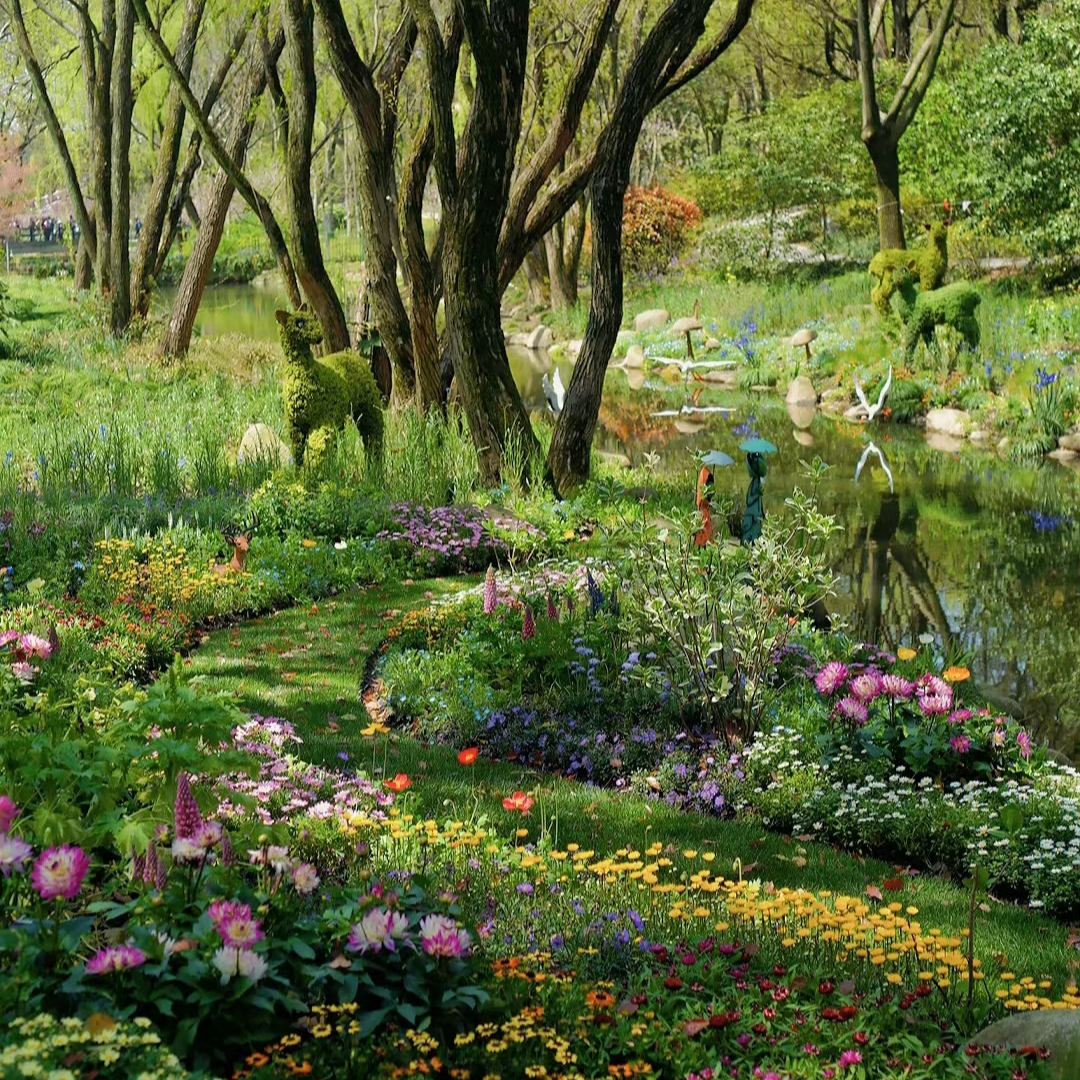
pixel 59 872
pixel 852 710
pixel 849 1057
pixel 32 645
pixel 14 854
pixel 441 936
pixel 960 743
pixel 528 625
pixel 897 687
pixel 935 704
pixel 7 637
pixel 866 687
pixel 187 821
pixel 934 685
pixel 221 911
pixel 831 678
pixel 8 813
pixel 491 592
pixel 1023 740
pixel 379 929
pixel 958 716
pixel 114 958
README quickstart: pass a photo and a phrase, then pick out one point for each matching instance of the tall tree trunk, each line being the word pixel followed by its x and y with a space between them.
pixel 177 336
pixel 901 34
pixel 165 168
pixel 318 289
pixel 665 50
pixel 123 105
pixel 885 155
pixel 84 266
pixel 103 45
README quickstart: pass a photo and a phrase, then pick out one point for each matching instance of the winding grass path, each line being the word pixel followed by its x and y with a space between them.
pixel 306 664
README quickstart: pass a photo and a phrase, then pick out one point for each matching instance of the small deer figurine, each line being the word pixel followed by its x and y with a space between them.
pixel 240 538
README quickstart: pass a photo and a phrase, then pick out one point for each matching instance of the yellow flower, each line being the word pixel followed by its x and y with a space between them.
pixel 904 653
pixel 956 674
pixel 321 1031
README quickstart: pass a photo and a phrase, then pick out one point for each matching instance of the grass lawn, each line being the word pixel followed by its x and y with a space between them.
pixel 306 664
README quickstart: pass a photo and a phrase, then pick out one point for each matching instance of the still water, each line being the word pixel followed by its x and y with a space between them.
pixel 981 553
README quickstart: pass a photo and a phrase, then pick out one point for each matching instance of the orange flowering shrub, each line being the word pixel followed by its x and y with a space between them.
pixel 656 227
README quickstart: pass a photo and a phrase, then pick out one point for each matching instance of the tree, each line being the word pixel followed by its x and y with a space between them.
pixel 882 131
pixel 660 67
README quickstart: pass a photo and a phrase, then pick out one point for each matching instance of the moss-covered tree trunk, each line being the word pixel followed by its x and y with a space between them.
pixel 885 155
pixel 123 104
pixel 299 22
pixel 165 167
pixel 662 55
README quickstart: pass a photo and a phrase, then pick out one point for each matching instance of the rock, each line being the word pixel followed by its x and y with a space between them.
pixel 688 427
pixel 1061 454
pixel 540 338
pixel 978 437
pixel 1003 444
pixel 573 348
pixel 653 319
pixel 611 460
pixel 262 443
pixel 835 393
pixel 1056 1029
pixel 519 339
pixel 802 414
pixel 803 438
pixel 953 422
pixel 947 444
pixel 720 376
pixel 855 414
pixel 1071 441
pixel 635 357
pixel 801 391
pixel 624 337
pixel 712 344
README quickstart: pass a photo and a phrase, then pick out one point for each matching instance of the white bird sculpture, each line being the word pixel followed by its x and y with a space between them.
pixel 554 392
pixel 873 410
pixel 872 449
pixel 688 365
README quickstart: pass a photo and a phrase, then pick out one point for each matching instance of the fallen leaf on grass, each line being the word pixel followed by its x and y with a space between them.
pixel 873 892
pixel 893 884
pixel 695 1027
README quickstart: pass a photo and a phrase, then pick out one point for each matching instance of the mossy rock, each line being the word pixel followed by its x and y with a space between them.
pixel 1057 1030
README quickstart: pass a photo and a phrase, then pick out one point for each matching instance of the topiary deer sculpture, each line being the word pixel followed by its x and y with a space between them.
pixel 322 394
pixel 922 311
pixel 928 263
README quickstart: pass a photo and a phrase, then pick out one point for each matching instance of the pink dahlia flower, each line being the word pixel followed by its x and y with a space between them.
pixel 852 710
pixel 240 931
pixel 866 687
pixel 59 872
pixel 897 687
pixel 379 929
pixel 441 936
pixel 114 958
pixel 8 813
pixel 831 678
pixel 14 854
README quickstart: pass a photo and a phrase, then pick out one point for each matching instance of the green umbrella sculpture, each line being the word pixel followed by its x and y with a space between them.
pixel 755 451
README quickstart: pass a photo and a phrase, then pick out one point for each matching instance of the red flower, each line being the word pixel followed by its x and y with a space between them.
pixel 861 1038
pixel 398 784
pixel 672 983
pixel 847 1012
pixel 825 987
pixel 518 801
pixel 468 756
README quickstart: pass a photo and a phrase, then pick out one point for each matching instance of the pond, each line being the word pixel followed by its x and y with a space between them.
pixel 979 553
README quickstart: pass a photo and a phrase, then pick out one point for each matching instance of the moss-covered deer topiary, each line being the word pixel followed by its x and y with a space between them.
pixel 322 394
pixel 921 311
pixel 929 263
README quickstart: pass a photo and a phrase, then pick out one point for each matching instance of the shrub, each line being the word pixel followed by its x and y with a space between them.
pixel 656 227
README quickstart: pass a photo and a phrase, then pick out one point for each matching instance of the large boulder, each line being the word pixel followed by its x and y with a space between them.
pixel 1071 441
pixel 540 338
pixel 262 443
pixel 951 422
pixel 1056 1029
pixel 653 319
pixel 635 357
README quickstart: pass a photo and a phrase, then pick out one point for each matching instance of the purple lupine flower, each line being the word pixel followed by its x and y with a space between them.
pixel 187 820
pixel 491 591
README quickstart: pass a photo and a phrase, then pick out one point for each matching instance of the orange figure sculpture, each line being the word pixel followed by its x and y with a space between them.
pixel 705 533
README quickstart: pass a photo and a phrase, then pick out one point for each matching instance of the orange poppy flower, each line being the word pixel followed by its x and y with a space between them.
pixel 398 784
pixel 956 674
pixel 468 756
pixel 518 801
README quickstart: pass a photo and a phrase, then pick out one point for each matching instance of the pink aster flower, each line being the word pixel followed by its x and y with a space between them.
pixel 379 929
pixel 849 1057
pixel 7 637
pixel 241 931
pixel 897 687
pixel 222 910
pixel 1023 740
pixel 831 678
pixel 114 958
pixel 934 685
pixel 14 854
pixel 960 743
pixel 23 671
pixel 958 716
pixel 866 687
pixel 852 710
pixel 8 813
pixel 59 872
pixel 32 645
pixel 441 936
